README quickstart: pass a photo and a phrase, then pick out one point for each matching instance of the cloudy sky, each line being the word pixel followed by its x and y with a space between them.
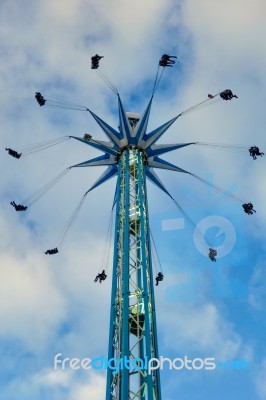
pixel 50 304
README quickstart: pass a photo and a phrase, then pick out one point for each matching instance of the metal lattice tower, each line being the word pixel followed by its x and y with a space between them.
pixel 133 321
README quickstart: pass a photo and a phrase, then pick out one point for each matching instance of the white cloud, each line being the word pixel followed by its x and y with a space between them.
pixel 31 306
pixel 233 30
pixel 53 377
pixel 199 328
pixel 91 387
pixel 95 389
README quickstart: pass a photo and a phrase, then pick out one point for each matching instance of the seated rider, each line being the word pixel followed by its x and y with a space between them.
pixel 255 151
pixel 40 99
pixel 248 208
pixel 101 277
pixel 227 95
pixel 212 254
pixel 159 278
pixel 95 61
pixel 52 251
pixel 87 136
pixel 252 152
pixel 13 153
pixel 166 61
pixel 18 207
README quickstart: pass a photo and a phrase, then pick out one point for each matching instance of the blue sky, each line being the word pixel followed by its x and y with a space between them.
pixel 51 305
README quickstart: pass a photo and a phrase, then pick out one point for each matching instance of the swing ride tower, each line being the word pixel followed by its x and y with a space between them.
pixel 132 155
pixel 132 335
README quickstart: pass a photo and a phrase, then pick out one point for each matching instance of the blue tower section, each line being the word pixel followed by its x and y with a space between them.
pixel 132 154
pixel 133 336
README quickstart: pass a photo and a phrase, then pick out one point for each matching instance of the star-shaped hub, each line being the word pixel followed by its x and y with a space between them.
pixel 132 133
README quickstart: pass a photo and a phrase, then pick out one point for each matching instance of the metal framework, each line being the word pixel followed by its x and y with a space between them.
pixel 133 337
